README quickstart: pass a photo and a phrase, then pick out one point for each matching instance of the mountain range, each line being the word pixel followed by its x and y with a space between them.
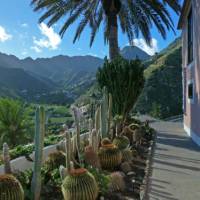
pixel 70 76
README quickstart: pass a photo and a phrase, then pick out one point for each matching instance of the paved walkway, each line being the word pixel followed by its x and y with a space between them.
pixel 176 167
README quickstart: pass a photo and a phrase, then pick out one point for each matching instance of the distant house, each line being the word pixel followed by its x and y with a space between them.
pixel 190 25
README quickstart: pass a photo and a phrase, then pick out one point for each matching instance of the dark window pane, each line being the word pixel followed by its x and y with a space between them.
pixel 190 91
pixel 190 37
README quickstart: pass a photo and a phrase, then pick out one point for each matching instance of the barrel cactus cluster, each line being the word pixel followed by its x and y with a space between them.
pixel 108 149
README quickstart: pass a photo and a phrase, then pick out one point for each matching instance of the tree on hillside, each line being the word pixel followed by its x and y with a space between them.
pixel 13 124
pixel 133 16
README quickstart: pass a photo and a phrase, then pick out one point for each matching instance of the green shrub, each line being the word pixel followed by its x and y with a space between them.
pixel 124 80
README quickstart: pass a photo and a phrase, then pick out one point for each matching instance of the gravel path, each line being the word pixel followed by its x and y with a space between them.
pixel 176 166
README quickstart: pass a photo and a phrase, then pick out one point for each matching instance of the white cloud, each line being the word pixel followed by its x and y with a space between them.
pixel 24 25
pixel 151 50
pixel 24 53
pixel 4 36
pixel 51 39
pixel 36 49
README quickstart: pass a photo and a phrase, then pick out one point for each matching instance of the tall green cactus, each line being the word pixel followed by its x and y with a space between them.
pixel 6 159
pixel 95 140
pixel 39 144
pixel 97 119
pixel 110 115
pixel 68 150
pixel 77 123
pixel 104 111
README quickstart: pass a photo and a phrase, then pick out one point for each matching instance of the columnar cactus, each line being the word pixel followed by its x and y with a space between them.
pixel 95 140
pixel 104 111
pixel 91 157
pixel 110 156
pixel 90 131
pixel 10 188
pixel 110 106
pixel 68 150
pixel 97 119
pixel 63 172
pixel 6 159
pixel 80 185
pixel 39 144
pixel 77 123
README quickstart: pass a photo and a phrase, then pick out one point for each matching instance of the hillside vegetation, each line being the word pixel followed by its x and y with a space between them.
pixel 162 94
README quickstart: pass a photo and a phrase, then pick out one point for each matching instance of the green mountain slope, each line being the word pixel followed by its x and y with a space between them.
pixel 18 83
pixel 162 94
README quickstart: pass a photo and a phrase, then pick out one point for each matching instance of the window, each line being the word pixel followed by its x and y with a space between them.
pixel 190 91
pixel 190 37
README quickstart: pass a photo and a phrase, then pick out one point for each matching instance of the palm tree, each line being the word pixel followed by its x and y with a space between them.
pixel 133 16
pixel 13 124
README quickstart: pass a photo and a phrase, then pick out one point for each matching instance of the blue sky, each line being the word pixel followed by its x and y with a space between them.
pixel 21 35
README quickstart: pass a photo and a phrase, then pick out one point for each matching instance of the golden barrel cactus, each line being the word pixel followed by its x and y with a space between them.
pixel 80 185
pixel 110 156
pixel 10 188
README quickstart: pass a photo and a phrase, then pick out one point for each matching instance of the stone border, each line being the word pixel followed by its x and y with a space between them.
pixel 144 194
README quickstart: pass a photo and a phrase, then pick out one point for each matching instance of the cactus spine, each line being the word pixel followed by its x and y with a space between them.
pixel 39 144
pixel 6 159
pixel 10 188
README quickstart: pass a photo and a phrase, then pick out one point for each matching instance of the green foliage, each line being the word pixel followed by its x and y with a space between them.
pixel 162 94
pixel 124 80
pixel 133 17
pixel 14 126
pixel 102 179
pixel 55 160
pixel 25 180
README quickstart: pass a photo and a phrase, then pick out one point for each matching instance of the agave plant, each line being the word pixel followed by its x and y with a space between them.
pixel 134 17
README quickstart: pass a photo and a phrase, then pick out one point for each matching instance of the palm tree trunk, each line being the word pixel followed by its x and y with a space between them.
pixel 113 35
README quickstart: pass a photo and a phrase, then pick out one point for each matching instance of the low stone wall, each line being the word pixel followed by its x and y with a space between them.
pixel 22 164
